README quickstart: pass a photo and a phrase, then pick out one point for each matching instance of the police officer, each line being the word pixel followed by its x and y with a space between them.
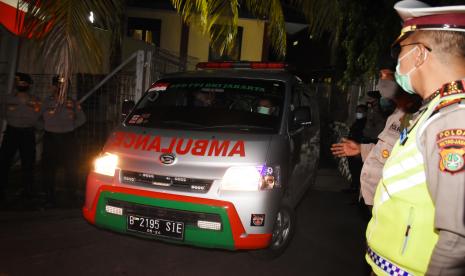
pixel 375 155
pixel 375 117
pixel 418 223
pixel 22 114
pixel 61 118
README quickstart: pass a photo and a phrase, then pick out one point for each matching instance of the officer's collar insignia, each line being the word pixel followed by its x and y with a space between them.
pixel 452 88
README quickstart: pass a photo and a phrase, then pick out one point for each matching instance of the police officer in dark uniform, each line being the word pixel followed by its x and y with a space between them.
pixel 61 118
pixel 22 112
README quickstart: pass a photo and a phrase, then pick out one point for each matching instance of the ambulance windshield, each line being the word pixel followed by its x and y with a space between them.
pixel 211 104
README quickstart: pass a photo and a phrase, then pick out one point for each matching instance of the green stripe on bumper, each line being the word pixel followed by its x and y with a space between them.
pixel 192 235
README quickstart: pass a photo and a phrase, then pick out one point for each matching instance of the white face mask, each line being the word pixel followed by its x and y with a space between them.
pixel 405 80
pixel 359 115
pixel 387 88
pixel 264 110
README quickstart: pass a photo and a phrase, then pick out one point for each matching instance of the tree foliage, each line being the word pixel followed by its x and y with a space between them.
pixel 370 28
pixel 362 30
pixel 206 14
pixel 65 34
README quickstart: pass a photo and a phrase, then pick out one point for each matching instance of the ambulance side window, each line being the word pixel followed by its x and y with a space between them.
pixel 296 99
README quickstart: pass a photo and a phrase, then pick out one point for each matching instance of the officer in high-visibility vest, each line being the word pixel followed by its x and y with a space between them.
pixel 418 224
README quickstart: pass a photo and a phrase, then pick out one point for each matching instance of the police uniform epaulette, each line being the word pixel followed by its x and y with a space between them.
pixel 447 103
pixel 452 88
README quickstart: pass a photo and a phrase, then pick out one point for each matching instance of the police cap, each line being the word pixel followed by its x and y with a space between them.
pixel 417 15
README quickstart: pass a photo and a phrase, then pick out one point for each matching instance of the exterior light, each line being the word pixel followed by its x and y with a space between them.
pixel 91 17
pixel 211 225
pixel 106 164
pixel 114 210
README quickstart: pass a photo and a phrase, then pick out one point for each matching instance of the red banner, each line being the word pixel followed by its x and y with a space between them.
pixel 8 15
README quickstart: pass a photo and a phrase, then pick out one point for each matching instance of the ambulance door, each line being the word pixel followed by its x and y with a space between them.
pixel 303 157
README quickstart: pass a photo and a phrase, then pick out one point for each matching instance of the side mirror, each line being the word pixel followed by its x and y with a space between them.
pixel 301 117
pixel 126 108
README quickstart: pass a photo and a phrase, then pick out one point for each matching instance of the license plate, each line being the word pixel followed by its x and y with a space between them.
pixel 156 227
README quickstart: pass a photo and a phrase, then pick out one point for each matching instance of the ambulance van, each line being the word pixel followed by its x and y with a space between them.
pixel 218 157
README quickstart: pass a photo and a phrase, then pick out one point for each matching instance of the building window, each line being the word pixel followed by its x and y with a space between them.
pixel 145 29
pixel 233 54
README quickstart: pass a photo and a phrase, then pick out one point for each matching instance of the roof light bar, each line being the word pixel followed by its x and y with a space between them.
pixel 241 65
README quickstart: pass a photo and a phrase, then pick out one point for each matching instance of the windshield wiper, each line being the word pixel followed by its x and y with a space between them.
pixel 237 126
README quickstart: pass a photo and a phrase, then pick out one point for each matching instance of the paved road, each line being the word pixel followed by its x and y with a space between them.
pixel 328 241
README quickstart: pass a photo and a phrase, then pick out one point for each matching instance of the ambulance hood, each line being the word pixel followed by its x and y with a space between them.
pixel 195 154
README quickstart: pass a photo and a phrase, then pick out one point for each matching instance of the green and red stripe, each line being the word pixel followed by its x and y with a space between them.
pixel 232 235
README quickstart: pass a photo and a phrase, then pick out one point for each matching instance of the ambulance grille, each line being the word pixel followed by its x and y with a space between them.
pixel 188 217
pixel 184 184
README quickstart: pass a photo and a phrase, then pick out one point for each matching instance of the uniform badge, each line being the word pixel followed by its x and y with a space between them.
pixel 452 160
pixel 385 153
pixel 451 143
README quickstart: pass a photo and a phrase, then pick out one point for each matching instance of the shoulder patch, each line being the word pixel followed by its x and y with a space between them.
pixel 452 160
pixel 451 143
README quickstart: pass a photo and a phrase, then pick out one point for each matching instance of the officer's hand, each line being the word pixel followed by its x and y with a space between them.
pixel 345 148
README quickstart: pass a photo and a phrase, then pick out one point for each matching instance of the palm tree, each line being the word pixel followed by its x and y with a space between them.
pixel 65 33
pixel 218 18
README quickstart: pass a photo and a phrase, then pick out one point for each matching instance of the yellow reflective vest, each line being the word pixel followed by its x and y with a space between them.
pixel 401 234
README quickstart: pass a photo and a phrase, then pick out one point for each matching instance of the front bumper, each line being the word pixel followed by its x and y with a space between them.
pixel 231 236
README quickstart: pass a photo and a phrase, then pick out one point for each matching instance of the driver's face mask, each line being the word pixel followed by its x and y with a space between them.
pixel 264 110
pixel 359 115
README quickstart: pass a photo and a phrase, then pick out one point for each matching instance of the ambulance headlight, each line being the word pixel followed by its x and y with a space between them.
pixel 106 164
pixel 251 178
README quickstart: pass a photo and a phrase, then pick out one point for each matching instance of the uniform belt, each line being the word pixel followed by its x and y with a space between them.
pixel 386 266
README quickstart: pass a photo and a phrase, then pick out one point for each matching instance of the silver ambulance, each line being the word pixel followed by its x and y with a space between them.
pixel 217 157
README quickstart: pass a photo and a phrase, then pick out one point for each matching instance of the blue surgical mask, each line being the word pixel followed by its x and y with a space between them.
pixel 404 80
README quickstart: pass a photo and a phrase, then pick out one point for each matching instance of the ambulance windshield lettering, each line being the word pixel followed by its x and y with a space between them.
pixel 228 105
